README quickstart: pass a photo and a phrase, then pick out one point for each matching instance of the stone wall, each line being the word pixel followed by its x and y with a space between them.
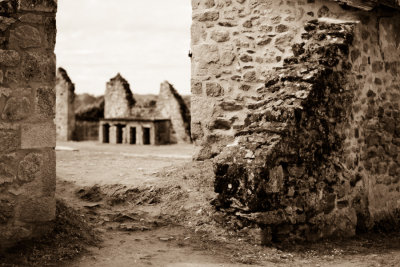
pixel 298 102
pixel 86 130
pixel 171 105
pixel 27 131
pixel 118 98
pixel 65 111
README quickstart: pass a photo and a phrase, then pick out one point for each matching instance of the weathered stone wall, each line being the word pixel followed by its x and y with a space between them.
pixel 118 99
pixel 304 111
pixel 235 46
pixel 172 106
pixel 65 111
pixel 372 138
pixel 27 111
pixel 86 131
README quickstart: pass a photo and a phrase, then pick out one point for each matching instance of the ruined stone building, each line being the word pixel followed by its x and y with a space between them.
pixel 27 112
pixel 171 105
pixel 74 120
pixel 299 104
pixel 87 117
pixel 125 123
pixel 65 112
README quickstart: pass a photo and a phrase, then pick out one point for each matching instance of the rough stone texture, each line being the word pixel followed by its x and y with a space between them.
pixel 172 106
pixel 118 98
pixel 27 131
pixel 304 129
pixel 65 112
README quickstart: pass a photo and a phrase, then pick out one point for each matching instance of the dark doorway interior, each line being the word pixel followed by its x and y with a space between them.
pixel 106 133
pixel 132 133
pixel 146 136
pixel 120 132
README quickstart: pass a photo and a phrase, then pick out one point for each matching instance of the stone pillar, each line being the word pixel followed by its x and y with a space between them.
pixel 27 131
pixel 101 133
pixel 125 135
pixel 65 112
pixel 113 134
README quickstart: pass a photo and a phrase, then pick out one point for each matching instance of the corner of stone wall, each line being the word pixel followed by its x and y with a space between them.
pixel 284 172
pixel 304 136
pixel 27 110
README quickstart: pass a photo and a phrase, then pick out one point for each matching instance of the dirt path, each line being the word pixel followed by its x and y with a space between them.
pixel 152 209
pixel 103 164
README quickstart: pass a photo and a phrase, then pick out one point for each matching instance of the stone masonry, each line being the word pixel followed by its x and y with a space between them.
pixel 65 112
pixel 168 120
pixel 27 131
pixel 119 98
pixel 171 105
pixel 298 101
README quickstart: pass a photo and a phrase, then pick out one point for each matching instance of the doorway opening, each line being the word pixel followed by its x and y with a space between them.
pixel 120 133
pixel 132 133
pixel 146 136
pixel 106 133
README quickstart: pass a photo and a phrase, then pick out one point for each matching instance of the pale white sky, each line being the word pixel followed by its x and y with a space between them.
pixel 146 41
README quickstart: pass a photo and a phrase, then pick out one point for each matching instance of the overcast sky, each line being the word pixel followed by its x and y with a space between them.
pixel 146 41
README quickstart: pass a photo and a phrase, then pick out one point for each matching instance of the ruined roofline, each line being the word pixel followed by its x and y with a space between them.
pixel 368 5
pixel 129 95
pixel 134 119
pixel 64 74
pixel 119 77
pixel 184 109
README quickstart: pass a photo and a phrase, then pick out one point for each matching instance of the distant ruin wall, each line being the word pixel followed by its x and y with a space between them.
pixel 27 111
pixel 65 111
pixel 86 130
pixel 172 106
pixel 301 114
pixel 118 99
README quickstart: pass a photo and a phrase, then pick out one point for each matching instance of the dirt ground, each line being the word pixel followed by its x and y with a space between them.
pixel 150 206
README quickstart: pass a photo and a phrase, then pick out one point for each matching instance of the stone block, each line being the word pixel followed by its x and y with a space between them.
pixel 50 29
pixel 196 131
pixel 250 76
pixel 220 36
pixel 214 89
pixel 36 210
pixel 38 67
pixel 221 124
pixel 30 168
pixel 377 66
pixel 246 58
pixel 227 58
pixel 208 16
pixel 9 139
pixel 9 58
pixel 230 105
pixel 197 87
pixel 45 102
pixel 16 109
pixel 38 5
pixel 8 169
pixel 206 53
pixel 5 23
pixel 49 174
pixel 40 135
pixel 25 37
pixel 32 18
pixel 281 28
